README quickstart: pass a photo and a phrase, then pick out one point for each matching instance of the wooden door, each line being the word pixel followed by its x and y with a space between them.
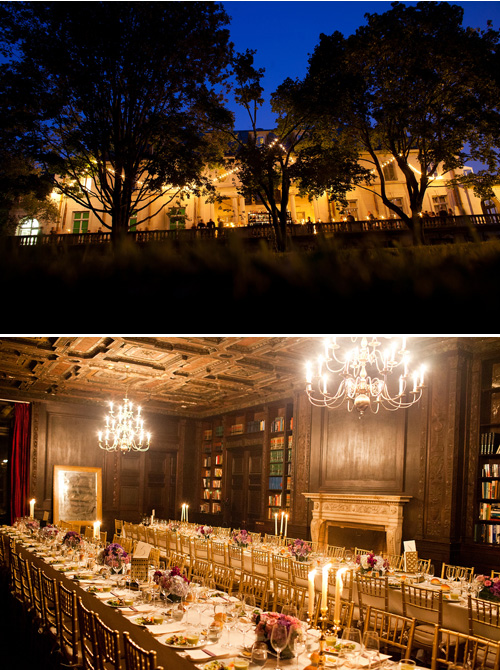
pixel 245 486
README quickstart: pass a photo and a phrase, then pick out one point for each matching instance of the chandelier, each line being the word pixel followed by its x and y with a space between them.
pixel 124 432
pixel 365 373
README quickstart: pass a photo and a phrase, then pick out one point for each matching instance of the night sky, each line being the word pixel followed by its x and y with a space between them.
pixel 285 33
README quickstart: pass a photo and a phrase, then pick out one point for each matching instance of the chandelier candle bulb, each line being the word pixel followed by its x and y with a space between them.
pixel 311 593
pixel 32 508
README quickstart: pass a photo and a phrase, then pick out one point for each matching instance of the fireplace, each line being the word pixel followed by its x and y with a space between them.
pixel 377 518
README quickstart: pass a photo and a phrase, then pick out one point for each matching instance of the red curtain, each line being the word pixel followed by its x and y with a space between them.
pixel 20 462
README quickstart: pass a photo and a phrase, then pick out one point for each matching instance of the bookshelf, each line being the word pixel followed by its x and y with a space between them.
pixel 246 465
pixel 212 468
pixel 279 483
pixel 487 526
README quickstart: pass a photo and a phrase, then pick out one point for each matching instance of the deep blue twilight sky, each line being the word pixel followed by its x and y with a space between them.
pixel 285 33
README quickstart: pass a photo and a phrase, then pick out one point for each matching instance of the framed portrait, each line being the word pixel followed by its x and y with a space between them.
pixel 77 494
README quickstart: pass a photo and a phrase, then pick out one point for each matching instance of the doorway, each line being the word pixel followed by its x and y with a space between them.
pixel 245 486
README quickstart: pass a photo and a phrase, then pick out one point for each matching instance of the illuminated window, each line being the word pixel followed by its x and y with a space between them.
pixel 440 202
pixel 390 172
pixel 81 222
pixel 28 227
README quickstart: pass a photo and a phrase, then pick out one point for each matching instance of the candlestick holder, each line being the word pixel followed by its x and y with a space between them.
pixel 322 637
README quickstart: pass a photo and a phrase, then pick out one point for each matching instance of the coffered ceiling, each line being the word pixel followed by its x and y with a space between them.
pixel 191 376
pixel 182 375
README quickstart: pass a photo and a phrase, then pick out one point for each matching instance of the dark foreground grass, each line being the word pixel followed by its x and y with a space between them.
pixel 207 287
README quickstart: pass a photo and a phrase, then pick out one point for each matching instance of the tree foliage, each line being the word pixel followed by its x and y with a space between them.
pixel 413 81
pixel 126 94
pixel 293 153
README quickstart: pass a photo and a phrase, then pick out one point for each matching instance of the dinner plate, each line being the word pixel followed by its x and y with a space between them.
pixel 354 646
pixel 215 665
pixel 182 646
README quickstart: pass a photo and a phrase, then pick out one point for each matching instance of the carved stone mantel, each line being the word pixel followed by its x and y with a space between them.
pixel 379 512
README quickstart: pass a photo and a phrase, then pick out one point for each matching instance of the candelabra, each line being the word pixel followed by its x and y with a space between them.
pixel 359 386
pixel 124 431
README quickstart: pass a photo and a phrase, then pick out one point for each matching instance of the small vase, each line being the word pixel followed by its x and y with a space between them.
pixel 486 594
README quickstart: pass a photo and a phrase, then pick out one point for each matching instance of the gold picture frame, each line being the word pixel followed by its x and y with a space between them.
pixel 77 494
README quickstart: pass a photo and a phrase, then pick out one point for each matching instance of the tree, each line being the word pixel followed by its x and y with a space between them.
pixel 411 82
pixel 125 93
pixel 291 153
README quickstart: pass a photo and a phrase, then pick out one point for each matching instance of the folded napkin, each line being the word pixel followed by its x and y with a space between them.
pixel 213 651
pixel 164 629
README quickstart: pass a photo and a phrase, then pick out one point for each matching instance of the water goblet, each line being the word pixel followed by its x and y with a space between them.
pixel 371 647
pixel 259 653
pixel 279 639
pixel 350 646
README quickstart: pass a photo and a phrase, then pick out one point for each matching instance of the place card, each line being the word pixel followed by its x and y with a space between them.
pixel 142 550
pixel 215 651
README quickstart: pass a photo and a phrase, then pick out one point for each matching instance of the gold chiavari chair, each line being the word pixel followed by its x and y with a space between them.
pixel 172 541
pixel 201 549
pixel 177 560
pixel 162 544
pixel 139 568
pixel 103 537
pixel 118 527
pixel 67 626
pixel 456 572
pixel 151 536
pixel 218 552
pixel 200 571
pixel 299 573
pixel 494 574
pixel 280 566
pixel 76 527
pixel 186 547
pixel 360 552
pixel 223 577
pixel 127 544
pixel 423 564
pixel 154 557
pixel 235 559
pixel 36 588
pixel 426 607
pixel 395 632
pixel 256 538
pixel 452 648
pixel 51 607
pixel 282 594
pixel 108 646
pixel 16 581
pixel 127 529
pixel 272 540
pixel 89 533
pixel 346 612
pixel 142 535
pixel 395 561
pixel 88 641
pixel 260 562
pixel 26 589
pixel 484 618
pixel 335 552
pixel 136 657
pixel 256 585
pixel 372 591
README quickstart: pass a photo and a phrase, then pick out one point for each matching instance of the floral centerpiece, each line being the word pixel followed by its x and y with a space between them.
pixel 241 537
pixel 114 556
pixel 489 588
pixel 32 525
pixel 204 532
pixel 173 582
pixel 264 623
pixel 300 550
pixel 49 532
pixel 173 526
pixel 72 539
pixel 372 563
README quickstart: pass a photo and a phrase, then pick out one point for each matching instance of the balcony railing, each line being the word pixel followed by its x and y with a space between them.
pixel 436 229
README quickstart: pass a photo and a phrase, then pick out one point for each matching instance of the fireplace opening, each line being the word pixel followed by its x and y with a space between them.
pixel 357 536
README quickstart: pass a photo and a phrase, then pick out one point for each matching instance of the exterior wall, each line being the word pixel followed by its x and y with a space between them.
pixel 233 211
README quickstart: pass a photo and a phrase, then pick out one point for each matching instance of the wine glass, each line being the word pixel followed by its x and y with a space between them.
pixel 350 646
pixel 230 620
pixel 259 653
pixel 299 642
pixel 371 647
pixel 279 639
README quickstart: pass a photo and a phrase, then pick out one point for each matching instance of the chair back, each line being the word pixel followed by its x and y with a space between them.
pixel 200 572
pixel 346 612
pixel 118 526
pixel 335 552
pixel 201 549
pixel 360 552
pixel 395 632
pixel 372 591
pixel 223 577
pixel 235 557
pixel 127 543
pixel 178 560
pixel 347 583
pixel 484 618
pixel 281 568
pixel 395 561
pixel 50 603
pixel 424 605
pixel 69 638
pixel 261 563
pixel 151 536
pixel 26 589
pixel 137 658
pixel 108 646
pixel 89 533
pixel 154 557
pixel 299 572
pixel 218 552
pixel 36 587
pixel 453 648
pixel 88 641
pixel 256 585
